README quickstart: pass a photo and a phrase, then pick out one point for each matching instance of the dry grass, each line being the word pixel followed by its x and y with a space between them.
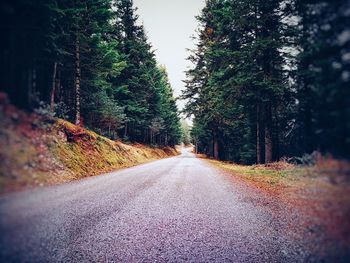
pixel 282 173
pixel 36 151
pixel 319 192
pixel 266 174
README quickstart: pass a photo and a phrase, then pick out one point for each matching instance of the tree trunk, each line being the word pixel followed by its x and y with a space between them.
pixel 307 144
pixel 31 82
pixel 215 146
pixel 126 129
pixel 29 87
pixel 77 82
pixel 276 140
pixel 53 88
pixel 34 82
pixel 268 133
pixel 145 135
pixel 59 88
pixel 258 132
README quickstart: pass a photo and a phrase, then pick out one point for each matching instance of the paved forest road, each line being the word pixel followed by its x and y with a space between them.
pixel 173 210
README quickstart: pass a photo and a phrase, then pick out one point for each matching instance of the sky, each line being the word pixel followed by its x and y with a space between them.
pixel 169 25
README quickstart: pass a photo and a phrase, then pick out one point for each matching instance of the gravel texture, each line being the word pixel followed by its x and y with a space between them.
pixel 179 209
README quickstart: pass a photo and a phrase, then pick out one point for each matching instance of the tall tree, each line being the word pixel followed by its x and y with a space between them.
pixel 238 64
pixel 323 76
pixel 91 63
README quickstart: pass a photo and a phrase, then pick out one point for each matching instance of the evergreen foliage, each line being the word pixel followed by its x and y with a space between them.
pixel 91 63
pixel 186 136
pixel 270 79
pixel 324 77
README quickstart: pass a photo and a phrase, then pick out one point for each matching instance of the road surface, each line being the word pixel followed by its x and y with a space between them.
pixel 179 209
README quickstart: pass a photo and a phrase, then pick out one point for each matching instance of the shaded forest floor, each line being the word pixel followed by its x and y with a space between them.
pixel 317 195
pixel 37 151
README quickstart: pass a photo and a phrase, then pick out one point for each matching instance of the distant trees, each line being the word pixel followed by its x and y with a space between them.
pixel 186 136
pixel 269 79
pixel 91 62
pixel 143 87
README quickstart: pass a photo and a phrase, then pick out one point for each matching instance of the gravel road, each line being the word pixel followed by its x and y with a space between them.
pixel 179 209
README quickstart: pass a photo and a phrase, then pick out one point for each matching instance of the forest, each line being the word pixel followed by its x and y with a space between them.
pixel 88 62
pixel 270 79
pixel 238 150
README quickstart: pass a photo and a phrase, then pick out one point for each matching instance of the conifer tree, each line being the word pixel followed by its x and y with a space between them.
pixel 238 64
pixel 91 64
pixel 323 77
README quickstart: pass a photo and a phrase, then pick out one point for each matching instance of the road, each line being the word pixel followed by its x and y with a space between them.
pixel 179 209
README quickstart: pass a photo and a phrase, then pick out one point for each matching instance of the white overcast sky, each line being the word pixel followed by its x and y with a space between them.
pixel 169 25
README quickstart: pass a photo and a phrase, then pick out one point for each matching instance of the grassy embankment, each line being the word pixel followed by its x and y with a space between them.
pixel 37 151
pixel 320 192
pixel 279 175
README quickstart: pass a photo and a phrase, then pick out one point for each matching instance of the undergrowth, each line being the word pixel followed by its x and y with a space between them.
pixel 37 151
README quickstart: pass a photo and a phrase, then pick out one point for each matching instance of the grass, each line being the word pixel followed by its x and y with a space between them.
pixel 318 192
pixel 86 153
pixel 35 151
pixel 327 179
pixel 271 175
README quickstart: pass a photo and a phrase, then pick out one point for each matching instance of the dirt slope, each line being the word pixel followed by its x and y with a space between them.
pixel 36 151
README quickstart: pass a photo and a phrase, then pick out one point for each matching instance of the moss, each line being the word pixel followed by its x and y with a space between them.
pixel 103 155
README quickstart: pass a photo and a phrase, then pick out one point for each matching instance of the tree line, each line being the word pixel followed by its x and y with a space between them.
pixel 90 62
pixel 271 79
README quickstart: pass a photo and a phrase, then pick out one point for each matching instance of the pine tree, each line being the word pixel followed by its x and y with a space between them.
pixel 133 89
pixel 167 110
pixel 323 77
pixel 185 128
pixel 91 64
pixel 239 65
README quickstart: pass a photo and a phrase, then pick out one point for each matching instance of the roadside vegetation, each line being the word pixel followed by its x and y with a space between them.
pixel 282 173
pixel 37 151
pixel 316 193
pixel 86 91
pixel 269 96
pixel 90 63
pixel 270 79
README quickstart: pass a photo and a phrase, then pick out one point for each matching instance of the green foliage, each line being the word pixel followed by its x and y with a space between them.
pixel 323 111
pixel 269 79
pixel 186 135
pixel 142 87
pixel 238 69
pixel 87 52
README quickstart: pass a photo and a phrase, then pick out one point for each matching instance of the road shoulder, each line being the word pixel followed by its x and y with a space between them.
pixel 313 207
